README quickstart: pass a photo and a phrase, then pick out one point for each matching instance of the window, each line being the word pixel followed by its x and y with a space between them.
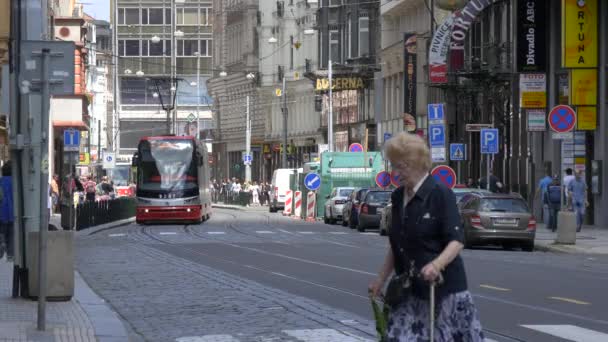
pixel 335 2
pixel 349 29
pixel 187 16
pixel 363 36
pixel 204 44
pixel 144 16
pixel 334 46
pixel 204 16
pixel 168 18
pixel 156 49
pixel 187 47
pixel 121 47
pixel 121 16
pixel 155 16
pixel 144 47
pixel 132 47
pixel 131 16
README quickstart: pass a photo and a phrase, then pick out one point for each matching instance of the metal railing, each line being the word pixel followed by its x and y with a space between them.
pixel 91 214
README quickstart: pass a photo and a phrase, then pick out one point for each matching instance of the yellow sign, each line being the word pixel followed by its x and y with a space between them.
pixel 579 34
pixel 85 159
pixel 583 87
pixel 534 99
pixel 586 118
pixel 532 89
pixel 340 83
pixel 278 92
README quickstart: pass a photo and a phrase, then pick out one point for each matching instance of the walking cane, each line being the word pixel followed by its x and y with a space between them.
pixel 432 309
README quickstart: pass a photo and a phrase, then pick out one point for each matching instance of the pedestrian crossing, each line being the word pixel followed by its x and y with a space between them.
pixel 564 332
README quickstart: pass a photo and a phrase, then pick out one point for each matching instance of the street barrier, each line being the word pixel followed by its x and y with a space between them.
pixel 310 206
pixel 297 212
pixel 90 214
pixel 288 203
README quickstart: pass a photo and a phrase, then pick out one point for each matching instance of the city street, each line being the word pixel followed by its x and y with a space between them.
pixel 254 276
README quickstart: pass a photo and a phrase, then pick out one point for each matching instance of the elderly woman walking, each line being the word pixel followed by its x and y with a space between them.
pixel 425 243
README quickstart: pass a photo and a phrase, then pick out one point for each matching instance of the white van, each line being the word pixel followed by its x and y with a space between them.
pixel 280 185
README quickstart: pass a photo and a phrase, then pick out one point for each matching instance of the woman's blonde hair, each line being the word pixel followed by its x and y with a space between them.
pixel 409 149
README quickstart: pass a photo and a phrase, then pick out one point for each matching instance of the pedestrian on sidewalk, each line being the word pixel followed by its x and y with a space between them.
pixel 90 188
pixel 255 191
pixel 7 218
pixel 566 182
pixel 552 199
pixel 54 193
pixel 425 241
pixel 540 194
pixel 577 191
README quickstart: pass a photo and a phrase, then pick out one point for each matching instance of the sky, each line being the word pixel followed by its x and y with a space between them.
pixel 98 9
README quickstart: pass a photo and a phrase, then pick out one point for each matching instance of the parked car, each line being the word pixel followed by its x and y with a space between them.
pixel 279 187
pixel 335 204
pixel 350 212
pixel 386 219
pixel 371 208
pixel 505 219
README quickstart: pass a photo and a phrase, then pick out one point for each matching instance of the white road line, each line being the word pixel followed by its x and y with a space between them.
pixel 570 332
pixel 338 233
pixel 264 232
pixel 208 338
pixel 369 233
pixel 286 232
pixel 308 233
pixel 116 235
pixel 216 233
pixel 316 335
pixel 167 233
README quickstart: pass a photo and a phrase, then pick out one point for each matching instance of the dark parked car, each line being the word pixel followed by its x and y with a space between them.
pixel 350 213
pixel 370 211
pixel 504 219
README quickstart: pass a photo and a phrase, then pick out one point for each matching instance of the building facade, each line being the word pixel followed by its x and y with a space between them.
pixel 5 25
pixel 164 57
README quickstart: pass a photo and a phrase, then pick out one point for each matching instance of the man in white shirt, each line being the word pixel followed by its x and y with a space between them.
pixel 567 179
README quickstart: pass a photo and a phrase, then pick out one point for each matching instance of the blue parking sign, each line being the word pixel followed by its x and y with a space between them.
pixel 435 112
pixel 489 141
pixel 437 135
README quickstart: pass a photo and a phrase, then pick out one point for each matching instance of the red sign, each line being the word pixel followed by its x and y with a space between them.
pixel 562 119
pixel 445 175
pixel 355 147
pixel 383 179
pixel 395 178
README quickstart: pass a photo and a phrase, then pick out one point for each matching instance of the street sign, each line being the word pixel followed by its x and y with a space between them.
pixel 438 154
pixel 191 117
pixel 489 141
pixel 355 147
pixel 109 161
pixel 71 140
pixel 247 159
pixel 477 127
pixel 562 119
pixel 278 92
pixel 61 68
pixel 458 152
pixel 437 135
pixel 435 112
pixel 312 181
pixel 387 136
pixel 395 178
pixel 445 175
pixel 383 179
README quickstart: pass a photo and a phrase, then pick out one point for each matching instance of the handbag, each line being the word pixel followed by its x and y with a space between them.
pixel 399 287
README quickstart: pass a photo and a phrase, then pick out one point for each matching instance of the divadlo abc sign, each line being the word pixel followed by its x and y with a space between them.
pixel 531 36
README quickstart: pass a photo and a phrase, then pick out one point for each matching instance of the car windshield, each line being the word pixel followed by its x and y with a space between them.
pixel 345 192
pixel 378 197
pixel 167 165
pixel 509 205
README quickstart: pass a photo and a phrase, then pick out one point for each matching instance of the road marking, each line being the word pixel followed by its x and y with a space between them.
pixel 570 300
pixel 207 338
pixel 167 233
pixel 264 232
pixel 570 332
pixel 494 287
pixel 286 232
pixel 369 233
pixel 338 233
pixel 316 335
pixel 216 233
pixel 306 233
pixel 116 235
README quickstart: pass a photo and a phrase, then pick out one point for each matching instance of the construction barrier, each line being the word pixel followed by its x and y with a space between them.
pixel 288 203
pixel 310 206
pixel 297 211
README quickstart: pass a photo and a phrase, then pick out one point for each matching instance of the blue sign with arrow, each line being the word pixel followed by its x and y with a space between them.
pixel 312 181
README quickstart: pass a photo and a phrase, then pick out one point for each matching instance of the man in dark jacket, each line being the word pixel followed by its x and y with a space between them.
pixel 6 212
pixel 553 198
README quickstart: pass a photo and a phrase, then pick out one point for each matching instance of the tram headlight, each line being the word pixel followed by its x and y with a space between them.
pixel 146 210
pixel 188 210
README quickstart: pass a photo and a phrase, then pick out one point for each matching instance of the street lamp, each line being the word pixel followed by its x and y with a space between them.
pixel 155 39
pixel 250 76
pixel 139 73
pixel 223 74
pixel 128 71
pixel 179 33
pixel 272 40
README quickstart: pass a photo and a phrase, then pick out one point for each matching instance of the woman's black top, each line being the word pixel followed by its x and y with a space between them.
pixel 422 230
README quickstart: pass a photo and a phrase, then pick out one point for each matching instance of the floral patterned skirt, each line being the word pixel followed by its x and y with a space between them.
pixel 457 320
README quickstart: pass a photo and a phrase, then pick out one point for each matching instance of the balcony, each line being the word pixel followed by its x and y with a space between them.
pixel 397 7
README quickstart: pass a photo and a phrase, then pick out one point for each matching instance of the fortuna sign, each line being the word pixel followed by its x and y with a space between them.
pixel 340 83
pixel 464 20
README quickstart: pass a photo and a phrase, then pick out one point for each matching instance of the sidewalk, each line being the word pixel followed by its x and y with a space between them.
pixel 221 205
pixel 85 318
pixel 591 240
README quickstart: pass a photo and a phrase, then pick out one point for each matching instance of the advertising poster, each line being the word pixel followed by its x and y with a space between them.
pixel 409 81
pixel 531 36
pixel 533 90
pixel 583 87
pixel 586 119
pixel 579 33
pixel 438 52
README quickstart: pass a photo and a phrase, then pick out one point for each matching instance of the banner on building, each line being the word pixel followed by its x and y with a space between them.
pixel 459 32
pixel 409 79
pixel 586 118
pixel 583 87
pixel 438 52
pixel 531 36
pixel 533 90
pixel 537 120
pixel 579 33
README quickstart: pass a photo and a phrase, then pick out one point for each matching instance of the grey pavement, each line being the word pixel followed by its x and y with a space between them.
pixel 591 240
pixel 86 317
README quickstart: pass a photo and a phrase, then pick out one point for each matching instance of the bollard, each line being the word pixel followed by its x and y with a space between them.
pixel 566 228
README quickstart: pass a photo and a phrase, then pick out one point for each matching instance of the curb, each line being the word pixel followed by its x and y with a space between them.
pixel 102 227
pixel 106 323
pixel 564 249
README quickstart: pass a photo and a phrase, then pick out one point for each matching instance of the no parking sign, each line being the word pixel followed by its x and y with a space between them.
pixel 445 175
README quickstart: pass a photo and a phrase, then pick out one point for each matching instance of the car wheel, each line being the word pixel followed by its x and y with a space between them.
pixel 528 246
pixel 325 219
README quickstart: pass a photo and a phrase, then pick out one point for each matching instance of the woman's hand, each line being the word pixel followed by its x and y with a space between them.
pixel 375 288
pixel 430 272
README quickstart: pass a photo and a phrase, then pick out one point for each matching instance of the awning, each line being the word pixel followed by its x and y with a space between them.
pixel 78 124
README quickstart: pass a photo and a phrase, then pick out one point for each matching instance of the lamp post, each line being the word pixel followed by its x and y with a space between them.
pixel 198 94
pixel 330 116
pixel 250 76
